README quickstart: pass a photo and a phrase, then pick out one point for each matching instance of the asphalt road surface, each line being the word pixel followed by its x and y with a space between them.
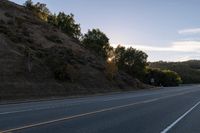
pixel 165 110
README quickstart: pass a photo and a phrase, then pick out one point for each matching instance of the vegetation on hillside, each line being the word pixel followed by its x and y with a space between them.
pixel 188 70
pixel 66 23
pixel 40 9
pixel 63 21
pixel 128 60
pixel 160 77
pixel 46 55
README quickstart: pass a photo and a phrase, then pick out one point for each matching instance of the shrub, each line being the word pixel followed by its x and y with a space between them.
pixel 25 32
pixel 162 77
pixel 4 29
pixel 20 20
pixel 2 21
pixel 54 38
pixel 66 73
pixel 10 22
pixel 8 14
pixel 58 60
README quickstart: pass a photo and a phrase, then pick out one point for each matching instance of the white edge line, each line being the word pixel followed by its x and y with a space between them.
pixel 180 118
pixel 86 114
pixel 95 112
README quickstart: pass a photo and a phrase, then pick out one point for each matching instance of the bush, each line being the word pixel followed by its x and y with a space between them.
pixel 2 21
pixel 8 14
pixel 10 22
pixel 54 38
pixel 66 73
pixel 58 60
pixel 4 29
pixel 171 78
pixel 162 77
pixel 20 20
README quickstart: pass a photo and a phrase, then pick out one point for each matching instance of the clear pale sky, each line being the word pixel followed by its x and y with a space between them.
pixel 166 30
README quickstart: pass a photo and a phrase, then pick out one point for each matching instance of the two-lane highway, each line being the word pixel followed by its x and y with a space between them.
pixel 175 109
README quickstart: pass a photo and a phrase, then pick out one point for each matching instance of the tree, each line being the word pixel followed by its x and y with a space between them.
pixel 171 78
pixel 52 19
pixel 119 56
pixel 131 61
pixel 63 21
pixel 28 4
pixel 39 8
pixel 98 42
pixel 43 11
pixel 66 23
pixel 162 77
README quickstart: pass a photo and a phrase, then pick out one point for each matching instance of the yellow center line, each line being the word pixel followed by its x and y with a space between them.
pixel 89 113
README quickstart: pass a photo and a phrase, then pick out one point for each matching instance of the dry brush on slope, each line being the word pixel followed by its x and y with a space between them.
pixel 37 60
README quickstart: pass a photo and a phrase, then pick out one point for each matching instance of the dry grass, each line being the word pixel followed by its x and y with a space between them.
pixel 40 61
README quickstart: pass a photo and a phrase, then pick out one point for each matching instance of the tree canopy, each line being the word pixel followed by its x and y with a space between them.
pixel 131 60
pixel 162 77
pixel 97 41
pixel 66 23
pixel 63 21
pixel 40 8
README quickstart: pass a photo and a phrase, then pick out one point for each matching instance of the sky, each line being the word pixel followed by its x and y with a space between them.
pixel 166 30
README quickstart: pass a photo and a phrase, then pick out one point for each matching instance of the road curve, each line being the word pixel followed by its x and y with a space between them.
pixel 173 110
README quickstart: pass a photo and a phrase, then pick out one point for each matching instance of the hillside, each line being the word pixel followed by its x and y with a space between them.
pixel 38 60
pixel 188 70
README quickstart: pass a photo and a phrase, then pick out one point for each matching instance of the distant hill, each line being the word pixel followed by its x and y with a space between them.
pixel 188 70
pixel 34 56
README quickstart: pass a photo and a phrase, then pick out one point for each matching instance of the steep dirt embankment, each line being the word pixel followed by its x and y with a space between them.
pixel 35 55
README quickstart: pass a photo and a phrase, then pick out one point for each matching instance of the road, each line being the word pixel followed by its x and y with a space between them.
pixel 165 110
